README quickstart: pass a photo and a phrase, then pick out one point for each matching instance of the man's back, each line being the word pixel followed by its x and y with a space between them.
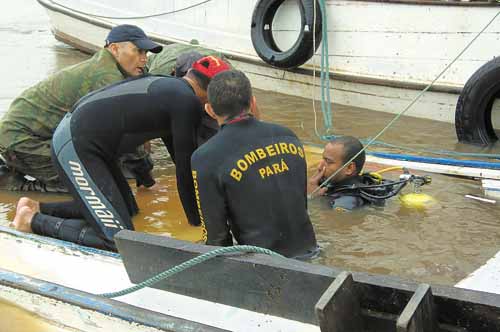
pixel 254 174
pixel 126 114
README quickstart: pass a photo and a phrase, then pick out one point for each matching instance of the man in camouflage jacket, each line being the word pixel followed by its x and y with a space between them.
pixel 26 129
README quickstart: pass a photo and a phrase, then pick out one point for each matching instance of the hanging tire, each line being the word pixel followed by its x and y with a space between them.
pixel 263 40
pixel 473 112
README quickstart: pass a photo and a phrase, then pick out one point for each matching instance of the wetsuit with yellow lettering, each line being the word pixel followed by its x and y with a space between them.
pixel 250 184
pixel 89 140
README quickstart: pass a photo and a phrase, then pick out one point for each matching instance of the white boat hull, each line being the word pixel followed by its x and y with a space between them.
pixel 97 272
pixel 382 53
pixel 91 271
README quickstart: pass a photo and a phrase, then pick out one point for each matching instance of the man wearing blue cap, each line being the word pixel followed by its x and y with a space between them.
pixel 27 128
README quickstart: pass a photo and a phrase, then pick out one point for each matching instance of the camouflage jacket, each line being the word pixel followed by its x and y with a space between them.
pixel 32 117
pixel 163 63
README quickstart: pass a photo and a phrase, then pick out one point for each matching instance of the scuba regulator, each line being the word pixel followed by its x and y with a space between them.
pixel 375 189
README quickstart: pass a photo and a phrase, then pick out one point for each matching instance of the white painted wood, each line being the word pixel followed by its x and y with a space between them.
pixel 491 188
pixel 409 43
pixel 436 168
pixel 95 273
pixel 486 278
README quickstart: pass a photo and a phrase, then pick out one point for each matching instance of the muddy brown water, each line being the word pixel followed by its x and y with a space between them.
pixel 440 244
pixel 20 320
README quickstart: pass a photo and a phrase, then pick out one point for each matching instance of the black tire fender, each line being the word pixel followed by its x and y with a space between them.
pixel 262 34
pixel 473 123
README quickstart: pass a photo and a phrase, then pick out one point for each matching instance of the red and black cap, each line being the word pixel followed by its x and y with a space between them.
pixel 210 66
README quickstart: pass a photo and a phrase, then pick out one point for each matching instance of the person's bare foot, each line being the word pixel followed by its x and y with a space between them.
pixel 22 220
pixel 31 203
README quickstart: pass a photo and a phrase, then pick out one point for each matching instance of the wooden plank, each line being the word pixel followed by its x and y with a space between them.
pixel 338 309
pixel 441 169
pixel 419 315
pixel 288 288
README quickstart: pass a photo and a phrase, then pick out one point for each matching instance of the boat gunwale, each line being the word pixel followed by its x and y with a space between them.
pixel 56 242
pixel 385 294
pixel 351 78
pixel 109 307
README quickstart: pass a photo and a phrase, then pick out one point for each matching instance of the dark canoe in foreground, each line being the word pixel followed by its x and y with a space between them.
pixel 335 300
pixel 235 292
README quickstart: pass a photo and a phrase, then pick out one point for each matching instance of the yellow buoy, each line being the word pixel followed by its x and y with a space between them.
pixel 416 200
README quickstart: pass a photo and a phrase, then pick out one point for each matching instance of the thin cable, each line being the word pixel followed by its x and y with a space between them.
pixel 131 17
pixel 326 78
pixel 406 108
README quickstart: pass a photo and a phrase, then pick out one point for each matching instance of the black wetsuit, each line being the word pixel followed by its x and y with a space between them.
pixel 346 200
pixel 88 141
pixel 358 191
pixel 250 181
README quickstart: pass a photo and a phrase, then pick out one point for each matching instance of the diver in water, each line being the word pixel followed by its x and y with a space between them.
pixel 349 189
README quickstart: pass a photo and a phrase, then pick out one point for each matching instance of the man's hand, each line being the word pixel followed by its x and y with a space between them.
pixel 314 182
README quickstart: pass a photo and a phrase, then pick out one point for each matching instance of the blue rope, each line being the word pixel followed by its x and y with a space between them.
pixel 190 263
pixel 406 148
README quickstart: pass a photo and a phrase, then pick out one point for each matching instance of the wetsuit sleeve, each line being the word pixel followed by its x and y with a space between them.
pixel 347 203
pixel 184 144
pixel 211 205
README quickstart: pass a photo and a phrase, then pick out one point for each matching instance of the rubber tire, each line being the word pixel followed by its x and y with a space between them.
pixel 263 41
pixel 473 123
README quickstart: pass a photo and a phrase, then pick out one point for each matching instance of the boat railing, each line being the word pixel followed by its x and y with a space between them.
pixel 335 300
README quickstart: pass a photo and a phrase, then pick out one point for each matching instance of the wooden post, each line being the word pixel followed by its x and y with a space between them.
pixel 419 315
pixel 338 309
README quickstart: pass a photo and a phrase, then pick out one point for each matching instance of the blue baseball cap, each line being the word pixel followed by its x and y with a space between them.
pixel 133 34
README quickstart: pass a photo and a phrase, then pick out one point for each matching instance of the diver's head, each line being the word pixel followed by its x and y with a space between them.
pixel 339 151
pixel 229 95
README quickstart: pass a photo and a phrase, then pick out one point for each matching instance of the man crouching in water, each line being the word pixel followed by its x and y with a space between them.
pixel 105 124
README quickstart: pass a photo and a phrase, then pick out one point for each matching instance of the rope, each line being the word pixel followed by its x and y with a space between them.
pixel 190 263
pixel 131 17
pixel 396 118
pixel 326 106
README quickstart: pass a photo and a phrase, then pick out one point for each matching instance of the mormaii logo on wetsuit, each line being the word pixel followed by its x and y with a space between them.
pixel 98 207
